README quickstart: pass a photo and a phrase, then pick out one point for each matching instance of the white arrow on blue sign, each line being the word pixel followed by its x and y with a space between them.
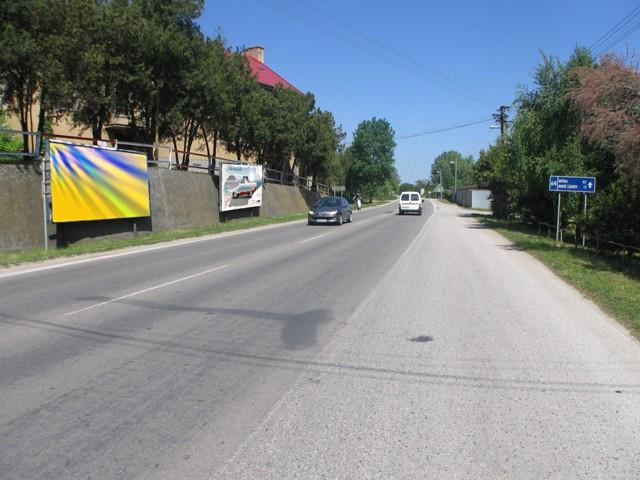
pixel 559 183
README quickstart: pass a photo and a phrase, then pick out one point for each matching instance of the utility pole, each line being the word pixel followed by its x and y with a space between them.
pixel 503 118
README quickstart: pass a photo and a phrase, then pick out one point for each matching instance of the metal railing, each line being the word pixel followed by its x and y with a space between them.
pixel 283 178
pixel 22 133
pixel 581 239
pixel 164 156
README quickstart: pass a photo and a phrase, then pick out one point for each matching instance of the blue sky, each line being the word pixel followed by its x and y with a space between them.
pixel 421 65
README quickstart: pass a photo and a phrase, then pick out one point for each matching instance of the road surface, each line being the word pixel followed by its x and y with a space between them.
pixel 393 347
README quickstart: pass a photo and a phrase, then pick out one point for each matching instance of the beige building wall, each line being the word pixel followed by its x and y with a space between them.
pixel 64 127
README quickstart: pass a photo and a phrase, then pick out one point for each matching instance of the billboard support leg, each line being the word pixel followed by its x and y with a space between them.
pixel 44 197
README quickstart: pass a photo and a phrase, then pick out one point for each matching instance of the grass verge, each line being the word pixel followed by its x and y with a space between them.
pixel 103 245
pixel 610 282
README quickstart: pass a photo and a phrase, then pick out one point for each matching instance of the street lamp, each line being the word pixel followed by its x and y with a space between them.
pixel 455 187
pixel 440 173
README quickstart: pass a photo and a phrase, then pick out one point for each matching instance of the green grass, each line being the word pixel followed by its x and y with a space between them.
pixel 611 282
pixel 16 257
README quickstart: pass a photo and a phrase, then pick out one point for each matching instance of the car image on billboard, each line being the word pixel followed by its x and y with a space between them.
pixel 240 186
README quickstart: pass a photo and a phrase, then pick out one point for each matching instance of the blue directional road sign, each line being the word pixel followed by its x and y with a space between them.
pixel 572 184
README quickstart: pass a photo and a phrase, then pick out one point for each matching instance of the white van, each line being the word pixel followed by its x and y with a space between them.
pixel 410 202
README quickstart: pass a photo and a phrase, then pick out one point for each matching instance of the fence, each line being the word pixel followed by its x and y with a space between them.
pixel 18 155
pixel 582 239
pixel 164 156
pixel 277 176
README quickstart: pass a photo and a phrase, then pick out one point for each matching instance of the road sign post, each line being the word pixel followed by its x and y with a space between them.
pixel 338 189
pixel 584 236
pixel 559 184
pixel 558 220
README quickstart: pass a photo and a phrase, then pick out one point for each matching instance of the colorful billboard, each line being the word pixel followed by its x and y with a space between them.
pixel 92 183
pixel 240 186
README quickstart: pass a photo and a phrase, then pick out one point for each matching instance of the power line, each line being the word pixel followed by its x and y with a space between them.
pixel 481 143
pixel 364 42
pixel 396 52
pixel 619 38
pixel 445 129
pixel 604 42
pixel 610 32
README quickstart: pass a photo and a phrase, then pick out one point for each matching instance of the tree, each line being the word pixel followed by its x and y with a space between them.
pixel 321 144
pixel 21 54
pixel 493 169
pixel 287 124
pixel 372 153
pixel 544 140
pixel 215 91
pixel 608 100
pixel 407 187
pixel 446 163
pixel 93 64
pixel 156 40
pixel 242 109
pixel 189 112
pixel 339 165
pixel 426 184
pixel 8 142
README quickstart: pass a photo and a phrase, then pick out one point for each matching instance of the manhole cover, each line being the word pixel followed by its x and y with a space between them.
pixel 422 339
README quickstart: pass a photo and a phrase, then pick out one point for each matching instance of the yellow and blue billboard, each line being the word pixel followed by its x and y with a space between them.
pixel 92 183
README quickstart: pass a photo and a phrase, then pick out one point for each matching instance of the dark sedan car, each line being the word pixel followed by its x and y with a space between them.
pixel 330 210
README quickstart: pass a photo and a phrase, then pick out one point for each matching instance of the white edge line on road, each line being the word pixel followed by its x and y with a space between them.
pixel 139 292
pixel 142 249
pixel 315 238
pixel 134 250
pixel 362 221
pixel 359 309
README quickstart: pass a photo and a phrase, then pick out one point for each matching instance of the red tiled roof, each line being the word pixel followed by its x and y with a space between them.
pixel 266 76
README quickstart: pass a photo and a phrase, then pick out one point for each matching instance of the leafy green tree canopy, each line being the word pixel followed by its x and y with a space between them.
pixel 372 154
pixel 447 163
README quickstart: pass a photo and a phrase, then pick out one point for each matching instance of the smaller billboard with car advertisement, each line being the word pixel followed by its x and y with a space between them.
pixel 240 186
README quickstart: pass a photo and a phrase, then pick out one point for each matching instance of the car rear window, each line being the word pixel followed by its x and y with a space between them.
pixel 405 196
pixel 414 197
pixel 328 202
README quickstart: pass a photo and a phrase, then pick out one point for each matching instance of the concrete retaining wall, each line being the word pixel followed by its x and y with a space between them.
pixel 182 199
pixel 285 200
pixel 20 207
pixel 178 200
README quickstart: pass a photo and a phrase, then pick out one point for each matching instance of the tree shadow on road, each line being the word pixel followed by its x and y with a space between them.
pixel 299 330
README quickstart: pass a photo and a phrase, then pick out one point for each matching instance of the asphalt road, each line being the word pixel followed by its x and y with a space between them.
pixel 290 352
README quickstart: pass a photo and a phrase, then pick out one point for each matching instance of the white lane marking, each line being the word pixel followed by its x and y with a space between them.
pixel 315 238
pixel 362 221
pixel 139 292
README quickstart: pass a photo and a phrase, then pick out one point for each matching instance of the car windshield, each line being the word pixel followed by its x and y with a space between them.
pixel 328 202
pixel 414 197
pixel 405 196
